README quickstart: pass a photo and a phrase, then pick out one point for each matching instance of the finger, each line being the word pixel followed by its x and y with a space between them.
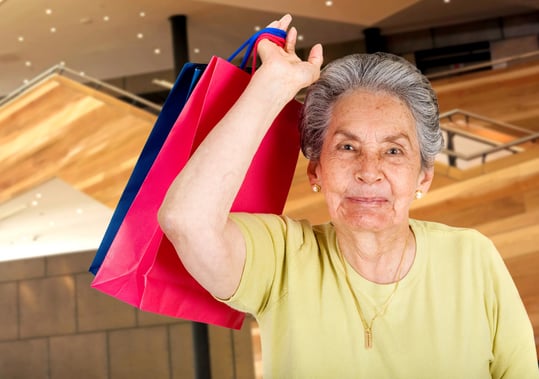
pixel 291 37
pixel 316 55
pixel 283 23
pixel 265 49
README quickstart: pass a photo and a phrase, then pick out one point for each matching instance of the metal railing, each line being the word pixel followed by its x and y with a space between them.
pixel 511 146
pixel 478 66
pixel 453 155
pixel 86 80
pixel 492 147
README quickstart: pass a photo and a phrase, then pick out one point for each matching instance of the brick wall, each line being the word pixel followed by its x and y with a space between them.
pixel 53 325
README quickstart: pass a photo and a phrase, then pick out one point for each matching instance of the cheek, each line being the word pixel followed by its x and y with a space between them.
pixel 336 175
pixel 403 183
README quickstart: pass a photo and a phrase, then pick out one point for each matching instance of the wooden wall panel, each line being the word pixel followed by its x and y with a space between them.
pixel 64 129
pixel 510 95
pixel 494 196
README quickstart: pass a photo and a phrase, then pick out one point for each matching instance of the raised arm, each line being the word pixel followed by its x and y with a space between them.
pixel 194 214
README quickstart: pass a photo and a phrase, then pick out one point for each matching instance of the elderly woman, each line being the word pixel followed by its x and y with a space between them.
pixel 372 293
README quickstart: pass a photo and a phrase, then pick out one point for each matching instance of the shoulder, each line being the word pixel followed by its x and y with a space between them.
pixel 465 246
pixel 270 222
pixel 257 227
pixel 435 232
pixel 462 249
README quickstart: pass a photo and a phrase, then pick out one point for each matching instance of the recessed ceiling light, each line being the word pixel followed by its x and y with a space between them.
pixel 53 30
pixel 157 51
pixel 48 11
pixel 196 50
pixel 106 18
pixel 447 1
pixel 257 28
pixel 28 63
pixel 300 37
pixel 142 14
pixel 20 39
pixel 328 3
pixel 140 35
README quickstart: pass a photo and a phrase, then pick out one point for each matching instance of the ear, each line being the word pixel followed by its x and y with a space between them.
pixel 312 172
pixel 425 179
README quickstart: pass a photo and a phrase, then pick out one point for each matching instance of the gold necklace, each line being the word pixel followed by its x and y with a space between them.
pixel 367 327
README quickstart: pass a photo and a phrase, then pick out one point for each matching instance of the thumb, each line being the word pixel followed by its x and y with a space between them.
pixel 316 55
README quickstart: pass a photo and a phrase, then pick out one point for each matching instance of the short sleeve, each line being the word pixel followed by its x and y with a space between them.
pixel 514 352
pixel 262 281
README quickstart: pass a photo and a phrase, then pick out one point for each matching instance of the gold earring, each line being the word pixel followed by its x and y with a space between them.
pixel 316 188
pixel 418 194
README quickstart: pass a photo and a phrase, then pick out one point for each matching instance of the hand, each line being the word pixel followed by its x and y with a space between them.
pixel 283 67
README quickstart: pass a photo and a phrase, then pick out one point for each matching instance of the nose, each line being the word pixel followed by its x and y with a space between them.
pixel 368 169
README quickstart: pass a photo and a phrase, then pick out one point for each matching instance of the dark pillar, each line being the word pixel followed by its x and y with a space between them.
pixel 180 49
pixel 373 40
pixel 201 346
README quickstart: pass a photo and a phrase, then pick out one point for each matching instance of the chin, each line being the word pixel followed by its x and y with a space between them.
pixel 367 221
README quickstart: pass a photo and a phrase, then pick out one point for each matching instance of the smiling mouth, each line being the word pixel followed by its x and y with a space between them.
pixel 368 201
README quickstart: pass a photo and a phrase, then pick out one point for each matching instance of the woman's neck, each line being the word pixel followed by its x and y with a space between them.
pixel 377 256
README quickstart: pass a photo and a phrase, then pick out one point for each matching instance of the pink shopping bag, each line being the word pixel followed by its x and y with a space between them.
pixel 141 266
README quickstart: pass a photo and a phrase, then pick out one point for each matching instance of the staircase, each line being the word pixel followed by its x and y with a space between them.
pixel 59 127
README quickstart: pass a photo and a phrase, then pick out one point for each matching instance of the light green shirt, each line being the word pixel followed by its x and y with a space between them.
pixel 456 314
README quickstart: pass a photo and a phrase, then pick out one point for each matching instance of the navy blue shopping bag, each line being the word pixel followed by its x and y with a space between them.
pixel 178 95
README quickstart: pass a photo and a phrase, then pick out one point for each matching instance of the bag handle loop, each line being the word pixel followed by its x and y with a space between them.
pixel 275 35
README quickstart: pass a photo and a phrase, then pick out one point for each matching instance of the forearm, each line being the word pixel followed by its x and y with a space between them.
pixel 194 214
pixel 208 184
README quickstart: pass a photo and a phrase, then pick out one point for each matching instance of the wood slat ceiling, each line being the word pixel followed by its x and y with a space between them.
pixel 64 129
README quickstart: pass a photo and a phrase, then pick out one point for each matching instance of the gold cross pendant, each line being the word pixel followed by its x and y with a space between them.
pixel 368 338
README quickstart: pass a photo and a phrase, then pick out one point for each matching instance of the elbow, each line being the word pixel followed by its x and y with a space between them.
pixel 183 223
pixel 179 223
pixel 168 221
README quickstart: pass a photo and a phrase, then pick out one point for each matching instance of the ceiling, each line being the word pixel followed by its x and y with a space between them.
pixel 110 39
pixel 39 222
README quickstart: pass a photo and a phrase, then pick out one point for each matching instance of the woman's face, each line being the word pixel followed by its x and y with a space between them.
pixel 370 165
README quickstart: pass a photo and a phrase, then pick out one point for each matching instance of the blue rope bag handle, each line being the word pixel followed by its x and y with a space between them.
pixel 250 44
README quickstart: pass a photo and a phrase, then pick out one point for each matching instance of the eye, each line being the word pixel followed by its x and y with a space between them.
pixel 347 146
pixel 394 151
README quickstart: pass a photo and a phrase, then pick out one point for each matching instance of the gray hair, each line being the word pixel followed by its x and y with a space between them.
pixel 372 72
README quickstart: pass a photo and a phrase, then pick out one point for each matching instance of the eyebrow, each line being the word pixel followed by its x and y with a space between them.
pixel 389 138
